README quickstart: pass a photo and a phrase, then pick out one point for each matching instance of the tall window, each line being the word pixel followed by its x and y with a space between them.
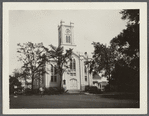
pixel 71 64
pixel 85 71
pixel 73 67
pixel 74 64
pixel 52 69
pixel 85 78
pixel 53 74
pixel 67 39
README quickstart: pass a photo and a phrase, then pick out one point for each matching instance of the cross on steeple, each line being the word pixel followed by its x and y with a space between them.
pixel 62 22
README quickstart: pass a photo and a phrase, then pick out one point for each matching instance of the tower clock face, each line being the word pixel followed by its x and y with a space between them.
pixel 68 31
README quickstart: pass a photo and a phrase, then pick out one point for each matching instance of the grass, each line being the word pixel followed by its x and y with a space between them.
pixel 72 101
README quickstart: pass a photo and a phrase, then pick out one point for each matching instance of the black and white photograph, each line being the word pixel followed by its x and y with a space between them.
pixel 74 58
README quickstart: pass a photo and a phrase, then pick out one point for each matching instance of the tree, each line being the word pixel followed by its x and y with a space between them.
pixel 33 57
pixel 124 78
pixel 14 81
pixel 127 45
pixel 62 60
pixel 103 59
pixel 127 41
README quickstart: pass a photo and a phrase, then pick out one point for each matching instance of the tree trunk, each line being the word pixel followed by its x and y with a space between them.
pixel 32 83
pixel 109 82
pixel 61 81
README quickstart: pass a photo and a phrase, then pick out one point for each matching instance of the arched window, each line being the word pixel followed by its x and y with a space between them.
pixel 51 68
pixel 74 64
pixel 73 67
pixel 71 64
pixel 53 74
pixel 55 70
pixel 67 39
pixel 85 78
pixel 85 70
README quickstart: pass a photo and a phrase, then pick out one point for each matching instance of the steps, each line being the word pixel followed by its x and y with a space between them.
pixel 73 91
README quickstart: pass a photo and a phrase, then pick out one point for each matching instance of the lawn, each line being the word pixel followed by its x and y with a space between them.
pixel 71 101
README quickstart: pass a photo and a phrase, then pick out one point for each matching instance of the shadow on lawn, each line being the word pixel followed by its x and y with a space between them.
pixel 131 96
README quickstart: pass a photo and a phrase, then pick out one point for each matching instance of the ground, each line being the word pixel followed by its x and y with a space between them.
pixel 72 101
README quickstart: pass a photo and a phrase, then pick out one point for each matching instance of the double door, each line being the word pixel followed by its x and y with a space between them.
pixel 73 84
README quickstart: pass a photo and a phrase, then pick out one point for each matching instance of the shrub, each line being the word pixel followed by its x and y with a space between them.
pixel 87 88
pixel 54 90
pixel 92 89
pixel 36 91
pixel 28 91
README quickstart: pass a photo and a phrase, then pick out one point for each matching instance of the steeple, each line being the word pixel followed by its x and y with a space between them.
pixel 66 35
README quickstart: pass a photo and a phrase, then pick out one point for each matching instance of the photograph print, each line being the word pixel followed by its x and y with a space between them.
pixel 74 58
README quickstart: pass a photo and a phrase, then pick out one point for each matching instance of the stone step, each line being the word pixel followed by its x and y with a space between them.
pixel 73 91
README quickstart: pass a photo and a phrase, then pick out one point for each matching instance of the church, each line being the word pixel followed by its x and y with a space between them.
pixel 78 77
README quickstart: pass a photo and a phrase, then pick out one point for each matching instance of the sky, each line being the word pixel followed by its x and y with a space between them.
pixel 42 26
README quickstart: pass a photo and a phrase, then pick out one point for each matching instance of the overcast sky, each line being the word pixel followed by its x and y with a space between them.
pixel 42 26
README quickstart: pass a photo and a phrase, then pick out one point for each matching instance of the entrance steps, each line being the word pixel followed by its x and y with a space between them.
pixel 73 91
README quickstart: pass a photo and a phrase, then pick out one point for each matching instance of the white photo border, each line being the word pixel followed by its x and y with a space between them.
pixel 76 6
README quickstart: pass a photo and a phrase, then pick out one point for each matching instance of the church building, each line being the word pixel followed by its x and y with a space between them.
pixel 78 77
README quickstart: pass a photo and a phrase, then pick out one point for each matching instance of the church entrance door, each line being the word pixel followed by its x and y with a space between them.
pixel 73 84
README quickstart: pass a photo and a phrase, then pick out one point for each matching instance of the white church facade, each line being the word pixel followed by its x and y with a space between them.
pixel 78 77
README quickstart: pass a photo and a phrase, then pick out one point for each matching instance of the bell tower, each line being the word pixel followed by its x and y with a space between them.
pixel 66 35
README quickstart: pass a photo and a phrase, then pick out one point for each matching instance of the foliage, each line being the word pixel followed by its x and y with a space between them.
pixel 33 57
pixel 54 90
pixel 13 81
pixel 28 91
pixel 125 78
pixel 62 59
pixel 92 89
pixel 17 73
pixel 126 72
pixel 103 59
pixel 120 60
pixel 131 15
pixel 127 42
